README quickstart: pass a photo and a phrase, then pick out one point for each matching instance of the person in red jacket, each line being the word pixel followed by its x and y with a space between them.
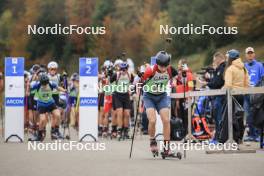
pixel 184 83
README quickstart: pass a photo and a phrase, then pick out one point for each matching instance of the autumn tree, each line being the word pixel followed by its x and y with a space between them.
pixel 248 16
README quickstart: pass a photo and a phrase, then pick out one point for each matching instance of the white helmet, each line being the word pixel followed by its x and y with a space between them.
pixel 52 64
pixel 108 63
pixel 118 62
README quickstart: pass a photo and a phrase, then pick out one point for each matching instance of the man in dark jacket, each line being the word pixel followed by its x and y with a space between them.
pixel 217 82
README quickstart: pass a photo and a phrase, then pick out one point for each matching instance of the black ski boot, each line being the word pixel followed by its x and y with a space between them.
pixel 100 131
pixel 113 132
pixel 105 132
pixel 38 136
pixel 119 134
pixel 154 147
pixel 125 133
pixel 55 134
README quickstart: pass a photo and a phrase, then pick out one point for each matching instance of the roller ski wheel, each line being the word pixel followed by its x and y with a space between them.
pixel 67 137
pixel 154 148
pixel 155 153
pixel 165 155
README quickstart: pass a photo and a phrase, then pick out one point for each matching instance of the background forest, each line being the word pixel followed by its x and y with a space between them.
pixel 132 26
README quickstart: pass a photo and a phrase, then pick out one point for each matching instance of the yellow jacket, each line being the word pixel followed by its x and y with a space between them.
pixel 236 75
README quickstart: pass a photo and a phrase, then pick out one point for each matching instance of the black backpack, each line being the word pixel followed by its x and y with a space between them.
pixel 177 129
pixel 257 107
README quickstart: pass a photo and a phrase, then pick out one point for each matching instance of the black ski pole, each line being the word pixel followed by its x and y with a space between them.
pixel 134 130
pixel 184 75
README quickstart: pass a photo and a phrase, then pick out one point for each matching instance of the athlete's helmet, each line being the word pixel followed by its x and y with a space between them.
pixel 118 62
pixel 163 58
pixel 233 54
pixel 108 63
pixel 44 79
pixel 53 64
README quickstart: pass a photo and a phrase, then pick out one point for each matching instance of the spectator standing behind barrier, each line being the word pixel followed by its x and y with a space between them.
pixel 184 83
pixel 1 86
pixel 217 82
pixel 256 71
pixel 236 77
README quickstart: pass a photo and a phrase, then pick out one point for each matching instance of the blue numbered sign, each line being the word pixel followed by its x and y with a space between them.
pixel 88 66
pixel 14 66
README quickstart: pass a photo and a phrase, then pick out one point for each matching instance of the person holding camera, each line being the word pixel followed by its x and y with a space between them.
pixel 216 81
pixel 184 83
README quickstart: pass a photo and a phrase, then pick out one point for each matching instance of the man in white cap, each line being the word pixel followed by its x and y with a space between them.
pixel 256 72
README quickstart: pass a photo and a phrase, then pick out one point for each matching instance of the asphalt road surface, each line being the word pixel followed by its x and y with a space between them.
pixel 17 160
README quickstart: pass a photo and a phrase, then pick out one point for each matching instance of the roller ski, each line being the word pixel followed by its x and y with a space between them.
pixel 169 154
pixel 38 136
pixel 154 148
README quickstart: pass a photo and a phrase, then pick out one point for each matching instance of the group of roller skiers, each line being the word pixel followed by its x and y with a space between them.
pixel 47 96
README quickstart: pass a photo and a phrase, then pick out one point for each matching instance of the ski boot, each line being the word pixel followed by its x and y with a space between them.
pixel 119 135
pixel 113 134
pixel 105 132
pixel 154 148
pixel 125 134
pixel 100 131
pixel 56 135
pixel 38 136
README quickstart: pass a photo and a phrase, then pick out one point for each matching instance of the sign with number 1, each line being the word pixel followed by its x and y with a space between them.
pixel 14 99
